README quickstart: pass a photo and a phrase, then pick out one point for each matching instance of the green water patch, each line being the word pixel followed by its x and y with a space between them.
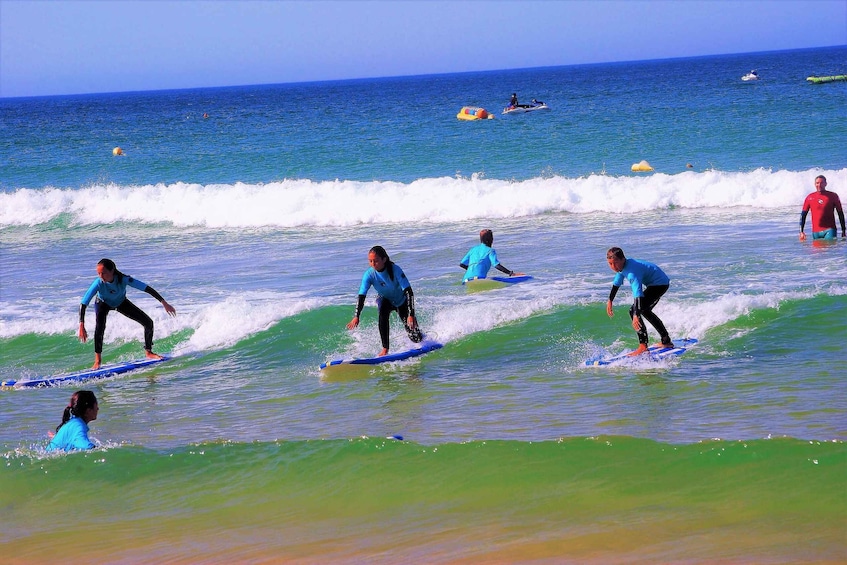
pixel 762 488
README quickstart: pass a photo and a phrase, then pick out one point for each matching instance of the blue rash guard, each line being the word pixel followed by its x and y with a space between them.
pixel 112 293
pixel 638 273
pixel 71 436
pixel 479 260
pixel 391 290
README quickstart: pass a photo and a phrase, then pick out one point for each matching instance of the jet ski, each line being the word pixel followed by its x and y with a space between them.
pixel 524 108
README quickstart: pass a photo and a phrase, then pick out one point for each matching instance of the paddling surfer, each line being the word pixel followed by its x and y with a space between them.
pixel 479 260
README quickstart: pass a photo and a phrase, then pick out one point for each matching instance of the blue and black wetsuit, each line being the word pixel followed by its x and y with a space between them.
pixel 641 273
pixel 395 293
pixel 112 296
pixel 479 260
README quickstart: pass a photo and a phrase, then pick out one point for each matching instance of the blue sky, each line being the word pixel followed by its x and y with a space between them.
pixel 69 47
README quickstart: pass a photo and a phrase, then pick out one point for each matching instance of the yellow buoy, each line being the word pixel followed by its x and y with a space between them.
pixel 117 151
pixel 642 167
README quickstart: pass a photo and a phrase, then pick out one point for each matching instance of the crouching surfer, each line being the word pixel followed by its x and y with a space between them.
pixel 395 294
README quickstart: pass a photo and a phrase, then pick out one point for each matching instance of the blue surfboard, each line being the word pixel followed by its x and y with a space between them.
pixel 490 283
pixel 654 353
pixel 422 348
pixel 86 375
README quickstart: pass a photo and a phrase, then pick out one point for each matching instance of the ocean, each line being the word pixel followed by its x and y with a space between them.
pixel 255 221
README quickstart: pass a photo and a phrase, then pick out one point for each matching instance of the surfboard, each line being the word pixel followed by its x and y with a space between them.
pixel 654 353
pixel 490 283
pixel 420 349
pixel 86 375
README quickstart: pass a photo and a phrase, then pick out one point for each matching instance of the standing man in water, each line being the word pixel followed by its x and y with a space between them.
pixel 823 204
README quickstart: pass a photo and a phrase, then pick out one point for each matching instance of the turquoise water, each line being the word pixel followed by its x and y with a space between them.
pixel 255 223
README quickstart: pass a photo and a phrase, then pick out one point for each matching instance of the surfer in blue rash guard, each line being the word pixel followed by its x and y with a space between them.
pixel 110 289
pixel 395 293
pixel 479 260
pixel 649 283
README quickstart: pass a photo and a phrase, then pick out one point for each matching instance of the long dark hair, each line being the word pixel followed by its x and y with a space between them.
pixel 80 401
pixel 109 265
pixel 380 252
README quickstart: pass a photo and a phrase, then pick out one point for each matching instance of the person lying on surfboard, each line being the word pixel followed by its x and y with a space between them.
pixel 648 283
pixel 110 288
pixel 72 433
pixel 481 258
pixel 395 293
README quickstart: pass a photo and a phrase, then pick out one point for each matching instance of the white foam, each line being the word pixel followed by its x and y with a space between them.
pixel 214 326
pixel 293 203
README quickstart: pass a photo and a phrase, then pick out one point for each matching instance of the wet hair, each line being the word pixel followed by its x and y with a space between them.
pixel 486 236
pixel 80 401
pixel 820 177
pixel 109 265
pixel 380 252
pixel 615 252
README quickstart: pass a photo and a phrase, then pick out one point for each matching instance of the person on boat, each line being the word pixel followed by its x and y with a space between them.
pixel 72 433
pixel 537 102
pixel 823 204
pixel 395 294
pixel 480 258
pixel 110 289
pixel 649 283
pixel 513 102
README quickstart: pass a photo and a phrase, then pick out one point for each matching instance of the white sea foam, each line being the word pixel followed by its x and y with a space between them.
pixel 216 325
pixel 297 203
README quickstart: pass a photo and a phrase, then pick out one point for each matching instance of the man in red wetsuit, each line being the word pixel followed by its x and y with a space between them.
pixel 823 205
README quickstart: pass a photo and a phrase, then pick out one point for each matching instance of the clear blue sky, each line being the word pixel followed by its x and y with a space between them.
pixel 68 47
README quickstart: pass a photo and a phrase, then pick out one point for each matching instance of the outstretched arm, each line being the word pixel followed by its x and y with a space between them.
pixel 168 308
pixel 503 269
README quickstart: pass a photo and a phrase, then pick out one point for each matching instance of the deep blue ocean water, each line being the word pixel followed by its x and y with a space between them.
pixel 255 222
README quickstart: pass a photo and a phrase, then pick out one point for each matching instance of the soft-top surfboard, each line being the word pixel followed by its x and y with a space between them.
pixel 86 375
pixel 490 283
pixel 420 349
pixel 654 353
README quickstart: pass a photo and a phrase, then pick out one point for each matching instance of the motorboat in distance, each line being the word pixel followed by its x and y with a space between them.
pixel 752 75
pixel 524 108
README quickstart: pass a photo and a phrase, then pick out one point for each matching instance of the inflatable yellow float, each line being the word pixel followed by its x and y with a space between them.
pixel 642 167
pixel 474 113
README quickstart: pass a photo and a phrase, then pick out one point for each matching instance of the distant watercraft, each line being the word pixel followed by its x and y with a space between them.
pixel 819 80
pixel 525 108
pixel 752 75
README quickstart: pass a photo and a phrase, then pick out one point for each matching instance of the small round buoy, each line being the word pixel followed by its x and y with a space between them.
pixel 117 151
pixel 642 167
